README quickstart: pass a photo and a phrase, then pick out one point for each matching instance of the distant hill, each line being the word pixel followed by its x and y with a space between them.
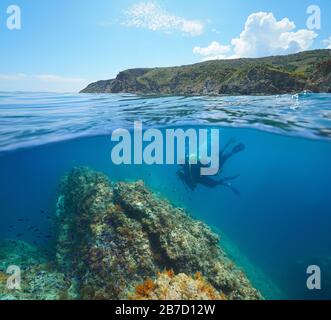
pixel 309 70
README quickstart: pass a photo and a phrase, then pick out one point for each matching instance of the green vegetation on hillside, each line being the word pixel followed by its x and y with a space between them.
pixel 310 70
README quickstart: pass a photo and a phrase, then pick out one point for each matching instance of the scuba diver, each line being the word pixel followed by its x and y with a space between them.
pixel 190 173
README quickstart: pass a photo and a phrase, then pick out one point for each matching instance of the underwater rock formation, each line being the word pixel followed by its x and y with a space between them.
pixel 114 236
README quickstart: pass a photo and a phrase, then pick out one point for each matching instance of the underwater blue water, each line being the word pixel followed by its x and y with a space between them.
pixel 278 225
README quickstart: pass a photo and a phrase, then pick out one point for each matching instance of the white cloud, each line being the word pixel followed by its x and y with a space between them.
pixel 151 16
pixel 263 35
pixel 327 42
pixel 214 51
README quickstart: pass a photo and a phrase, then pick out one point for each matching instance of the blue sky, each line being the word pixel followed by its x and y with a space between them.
pixel 64 44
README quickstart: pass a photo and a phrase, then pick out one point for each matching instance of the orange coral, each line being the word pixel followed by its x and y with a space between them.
pixel 207 288
pixel 176 287
pixel 198 276
pixel 143 290
pixel 170 273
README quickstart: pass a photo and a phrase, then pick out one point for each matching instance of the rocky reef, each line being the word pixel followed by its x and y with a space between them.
pixel 309 70
pixel 114 236
pixel 120 241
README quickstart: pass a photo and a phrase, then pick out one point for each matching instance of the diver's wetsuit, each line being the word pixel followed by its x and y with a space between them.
pixel 190 174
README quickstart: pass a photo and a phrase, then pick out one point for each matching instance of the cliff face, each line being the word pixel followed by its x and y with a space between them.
pixel 310 70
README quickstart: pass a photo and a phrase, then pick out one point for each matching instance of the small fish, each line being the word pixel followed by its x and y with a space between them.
pixel 19 235
pixel 20 220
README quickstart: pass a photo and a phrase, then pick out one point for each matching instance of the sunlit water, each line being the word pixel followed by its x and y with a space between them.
pixel 278 225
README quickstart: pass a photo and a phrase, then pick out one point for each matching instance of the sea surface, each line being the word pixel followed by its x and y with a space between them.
pixel 274 226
